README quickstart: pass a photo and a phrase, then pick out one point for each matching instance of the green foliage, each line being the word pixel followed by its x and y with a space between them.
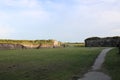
pixel 43 41
pixel 45 64
pixel 27 41
pixel 74 44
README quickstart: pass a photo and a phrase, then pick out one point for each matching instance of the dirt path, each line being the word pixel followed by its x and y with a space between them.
pixel 94 74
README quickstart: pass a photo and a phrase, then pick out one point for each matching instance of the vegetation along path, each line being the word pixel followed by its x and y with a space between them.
pixel 95 73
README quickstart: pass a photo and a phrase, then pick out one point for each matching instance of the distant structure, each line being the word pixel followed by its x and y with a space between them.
pixel 118 46
pixel 27 44
pixel 11 46
pixel 102 42
pixel 56 43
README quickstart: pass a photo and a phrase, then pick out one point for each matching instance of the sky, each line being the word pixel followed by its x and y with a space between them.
pixel 62 20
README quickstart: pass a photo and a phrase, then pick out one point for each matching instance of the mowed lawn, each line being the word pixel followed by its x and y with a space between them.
pixel 46 64
pixel 112 64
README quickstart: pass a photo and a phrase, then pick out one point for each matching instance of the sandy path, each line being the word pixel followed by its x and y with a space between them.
pixel 94 74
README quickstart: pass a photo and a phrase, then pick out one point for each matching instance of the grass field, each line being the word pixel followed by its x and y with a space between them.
pixel 112 64
pixel 46 64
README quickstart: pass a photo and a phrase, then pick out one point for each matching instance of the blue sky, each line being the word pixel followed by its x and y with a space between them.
pixel 63 20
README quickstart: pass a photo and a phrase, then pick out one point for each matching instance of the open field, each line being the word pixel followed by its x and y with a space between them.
pixel 112 64
pixel 46 64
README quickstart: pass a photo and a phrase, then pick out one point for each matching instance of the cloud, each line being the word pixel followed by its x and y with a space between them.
pixel 21 3
pixel 3 15
pixel 55 5
pixel 100 14
pixel 91 20
pixel 27 9
pixel 6 31
pixel 110 1
pixel 39 14
pixel 62 19
pixel 95 1
pixel 110 16
pixel 117 30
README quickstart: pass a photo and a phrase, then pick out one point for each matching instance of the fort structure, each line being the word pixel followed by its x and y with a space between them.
pixel 102 42
pixel 14 44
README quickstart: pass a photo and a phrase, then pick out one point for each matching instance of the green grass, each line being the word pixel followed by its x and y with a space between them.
pixel 46 64
pixel 112 64
pixel 75 44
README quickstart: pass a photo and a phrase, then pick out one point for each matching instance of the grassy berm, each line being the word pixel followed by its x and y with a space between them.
pixel 112 64
pixel 46 64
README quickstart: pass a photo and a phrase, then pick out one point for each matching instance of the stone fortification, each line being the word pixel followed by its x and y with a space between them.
pixel 102 42
pixel 29 46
